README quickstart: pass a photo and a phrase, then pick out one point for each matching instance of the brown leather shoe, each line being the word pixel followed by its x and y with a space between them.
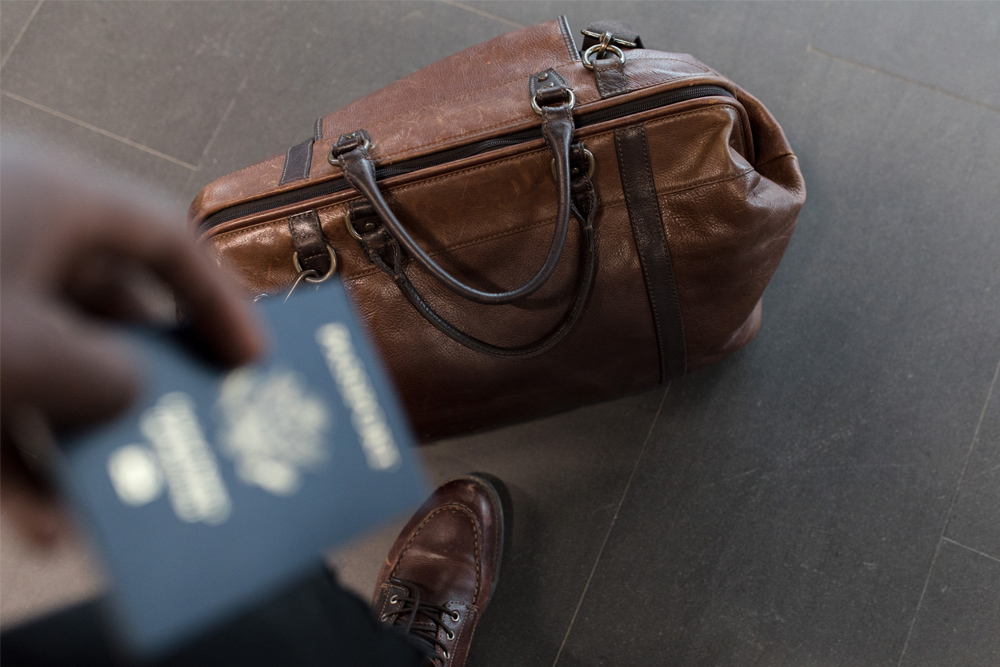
pixel 441 572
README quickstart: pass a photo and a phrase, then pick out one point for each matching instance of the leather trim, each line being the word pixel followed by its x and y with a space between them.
pixel 298 160
pixel 318 129
pixel 610 75
pixel 644 213
pixel 552 79
pixel 567 33
pixel 309 242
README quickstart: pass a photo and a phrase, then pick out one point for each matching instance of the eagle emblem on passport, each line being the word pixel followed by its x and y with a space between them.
pixel 272 427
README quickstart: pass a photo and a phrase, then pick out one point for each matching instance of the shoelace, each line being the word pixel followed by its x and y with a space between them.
pixel 412 605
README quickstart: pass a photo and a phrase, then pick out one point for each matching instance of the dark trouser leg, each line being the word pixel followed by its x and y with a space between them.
pixel 316 622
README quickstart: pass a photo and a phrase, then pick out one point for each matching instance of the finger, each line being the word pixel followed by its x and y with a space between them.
pixel 73 369
pixel 208 298
pixel 121 290
pixel 82 213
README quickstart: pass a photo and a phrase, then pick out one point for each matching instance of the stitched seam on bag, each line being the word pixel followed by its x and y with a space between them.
pixel 660 237
pixel 284 171
pixel 510 232
pixel 394 156
pixel 482 130
pixel 665 247
pixel 280 221
pixel 660 197
pixel 574 55
pixel 520 156
pixel 420 527
pixel 468 170
pixel 485 239
pixel 501 124
pixel 633 55
pixel 610 204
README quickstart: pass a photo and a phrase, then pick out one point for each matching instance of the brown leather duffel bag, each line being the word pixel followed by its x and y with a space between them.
pixel 525 228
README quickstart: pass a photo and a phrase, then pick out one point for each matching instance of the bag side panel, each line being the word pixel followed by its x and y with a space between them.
pixel 728 238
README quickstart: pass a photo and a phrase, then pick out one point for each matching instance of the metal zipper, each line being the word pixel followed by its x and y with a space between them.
pixel 338 185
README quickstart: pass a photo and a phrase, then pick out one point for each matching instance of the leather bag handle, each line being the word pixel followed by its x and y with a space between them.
pixel 351 154
pixel 389 258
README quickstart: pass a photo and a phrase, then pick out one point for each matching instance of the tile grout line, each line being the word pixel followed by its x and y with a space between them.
pixel 802 65
pixel 914 82
pixel 968 548
pixel 94 128
pixel 24 29
pixel 819 24
pixel 488 15
pixel 951 509
pixel 621 501
pixel 218 128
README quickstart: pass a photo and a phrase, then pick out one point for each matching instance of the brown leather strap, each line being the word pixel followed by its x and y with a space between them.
pixel 298 160
pixel 611 79
pixel 651 242
pixel 552 98
pixel 309 242
pixel 610 70
pixel 385 253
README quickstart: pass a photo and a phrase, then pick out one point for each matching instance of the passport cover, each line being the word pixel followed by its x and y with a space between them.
pixel 218 486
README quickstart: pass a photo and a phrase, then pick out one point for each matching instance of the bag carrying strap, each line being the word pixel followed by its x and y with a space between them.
pixel 386 254
pixel 388 244
pixel 555 101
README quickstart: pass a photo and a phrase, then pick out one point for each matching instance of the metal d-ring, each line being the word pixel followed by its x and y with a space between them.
pixel 591 164
pixel 311 275
pixel 588 62
pixel 538 109
pixel 316 278
pixel 350 226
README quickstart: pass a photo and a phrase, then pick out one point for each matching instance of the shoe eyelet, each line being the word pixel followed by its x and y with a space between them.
pixel 446 656
pixel 455 616
pixel 394 599
pixel 449 634
pixel 384 618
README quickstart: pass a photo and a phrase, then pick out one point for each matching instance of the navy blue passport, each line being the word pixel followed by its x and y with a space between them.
pixel 219 486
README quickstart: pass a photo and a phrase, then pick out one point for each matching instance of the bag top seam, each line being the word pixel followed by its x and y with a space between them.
pixel 471 169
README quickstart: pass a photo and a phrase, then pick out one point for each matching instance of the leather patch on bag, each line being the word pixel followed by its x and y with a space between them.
pixel 546 80
pixel 298 160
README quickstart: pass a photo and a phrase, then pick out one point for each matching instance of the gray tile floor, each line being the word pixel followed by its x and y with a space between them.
pixel 829 496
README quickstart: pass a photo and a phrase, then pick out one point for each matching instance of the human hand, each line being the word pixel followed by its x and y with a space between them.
pixel 73 249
